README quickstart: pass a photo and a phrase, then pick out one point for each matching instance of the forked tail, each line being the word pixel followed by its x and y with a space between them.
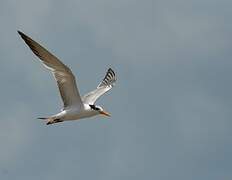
pixel 42 118
pixel 50 120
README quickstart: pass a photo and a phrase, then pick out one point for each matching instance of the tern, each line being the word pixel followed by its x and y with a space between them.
pixel 74 106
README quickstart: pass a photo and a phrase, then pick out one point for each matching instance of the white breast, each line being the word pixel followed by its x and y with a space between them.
pixel 75 114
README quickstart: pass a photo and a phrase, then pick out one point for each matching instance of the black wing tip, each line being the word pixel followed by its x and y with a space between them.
pixel 109 78
pixel 20 33
pixel 111 70
pixel 24 36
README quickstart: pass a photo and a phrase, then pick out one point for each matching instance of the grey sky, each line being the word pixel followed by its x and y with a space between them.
pixel 171 106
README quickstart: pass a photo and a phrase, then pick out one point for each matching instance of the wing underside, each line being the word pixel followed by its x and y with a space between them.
pixel 63 75
pixel 106 84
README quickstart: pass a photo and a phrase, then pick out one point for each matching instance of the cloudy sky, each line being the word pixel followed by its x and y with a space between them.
pixel 171 106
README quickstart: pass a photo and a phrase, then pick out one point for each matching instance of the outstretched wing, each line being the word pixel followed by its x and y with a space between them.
pixel 63 75
pixel 106 84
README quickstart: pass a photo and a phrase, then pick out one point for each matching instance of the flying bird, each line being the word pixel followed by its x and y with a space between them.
pixel 74 106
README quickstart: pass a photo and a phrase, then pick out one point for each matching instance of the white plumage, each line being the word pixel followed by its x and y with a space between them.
pixel 75 107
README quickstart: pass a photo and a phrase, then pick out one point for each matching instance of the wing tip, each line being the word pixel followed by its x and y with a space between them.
pixel 20 33
pixel 113 73
pixel 111 80
pixel 24 36
pixel 110 70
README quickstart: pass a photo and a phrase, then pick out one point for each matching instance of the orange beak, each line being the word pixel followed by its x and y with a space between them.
pixel 105 113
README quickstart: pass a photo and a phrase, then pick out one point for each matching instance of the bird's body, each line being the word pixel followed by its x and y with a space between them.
pixel 74 113
pixel 75 107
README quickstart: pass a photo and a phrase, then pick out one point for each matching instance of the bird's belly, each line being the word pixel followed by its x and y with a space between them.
pixel 75 115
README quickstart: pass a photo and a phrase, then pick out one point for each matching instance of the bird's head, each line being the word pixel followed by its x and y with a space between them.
pixel 99 110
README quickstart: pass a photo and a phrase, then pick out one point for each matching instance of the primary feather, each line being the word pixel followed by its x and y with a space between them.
pixel 63 75
pixel 106 84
